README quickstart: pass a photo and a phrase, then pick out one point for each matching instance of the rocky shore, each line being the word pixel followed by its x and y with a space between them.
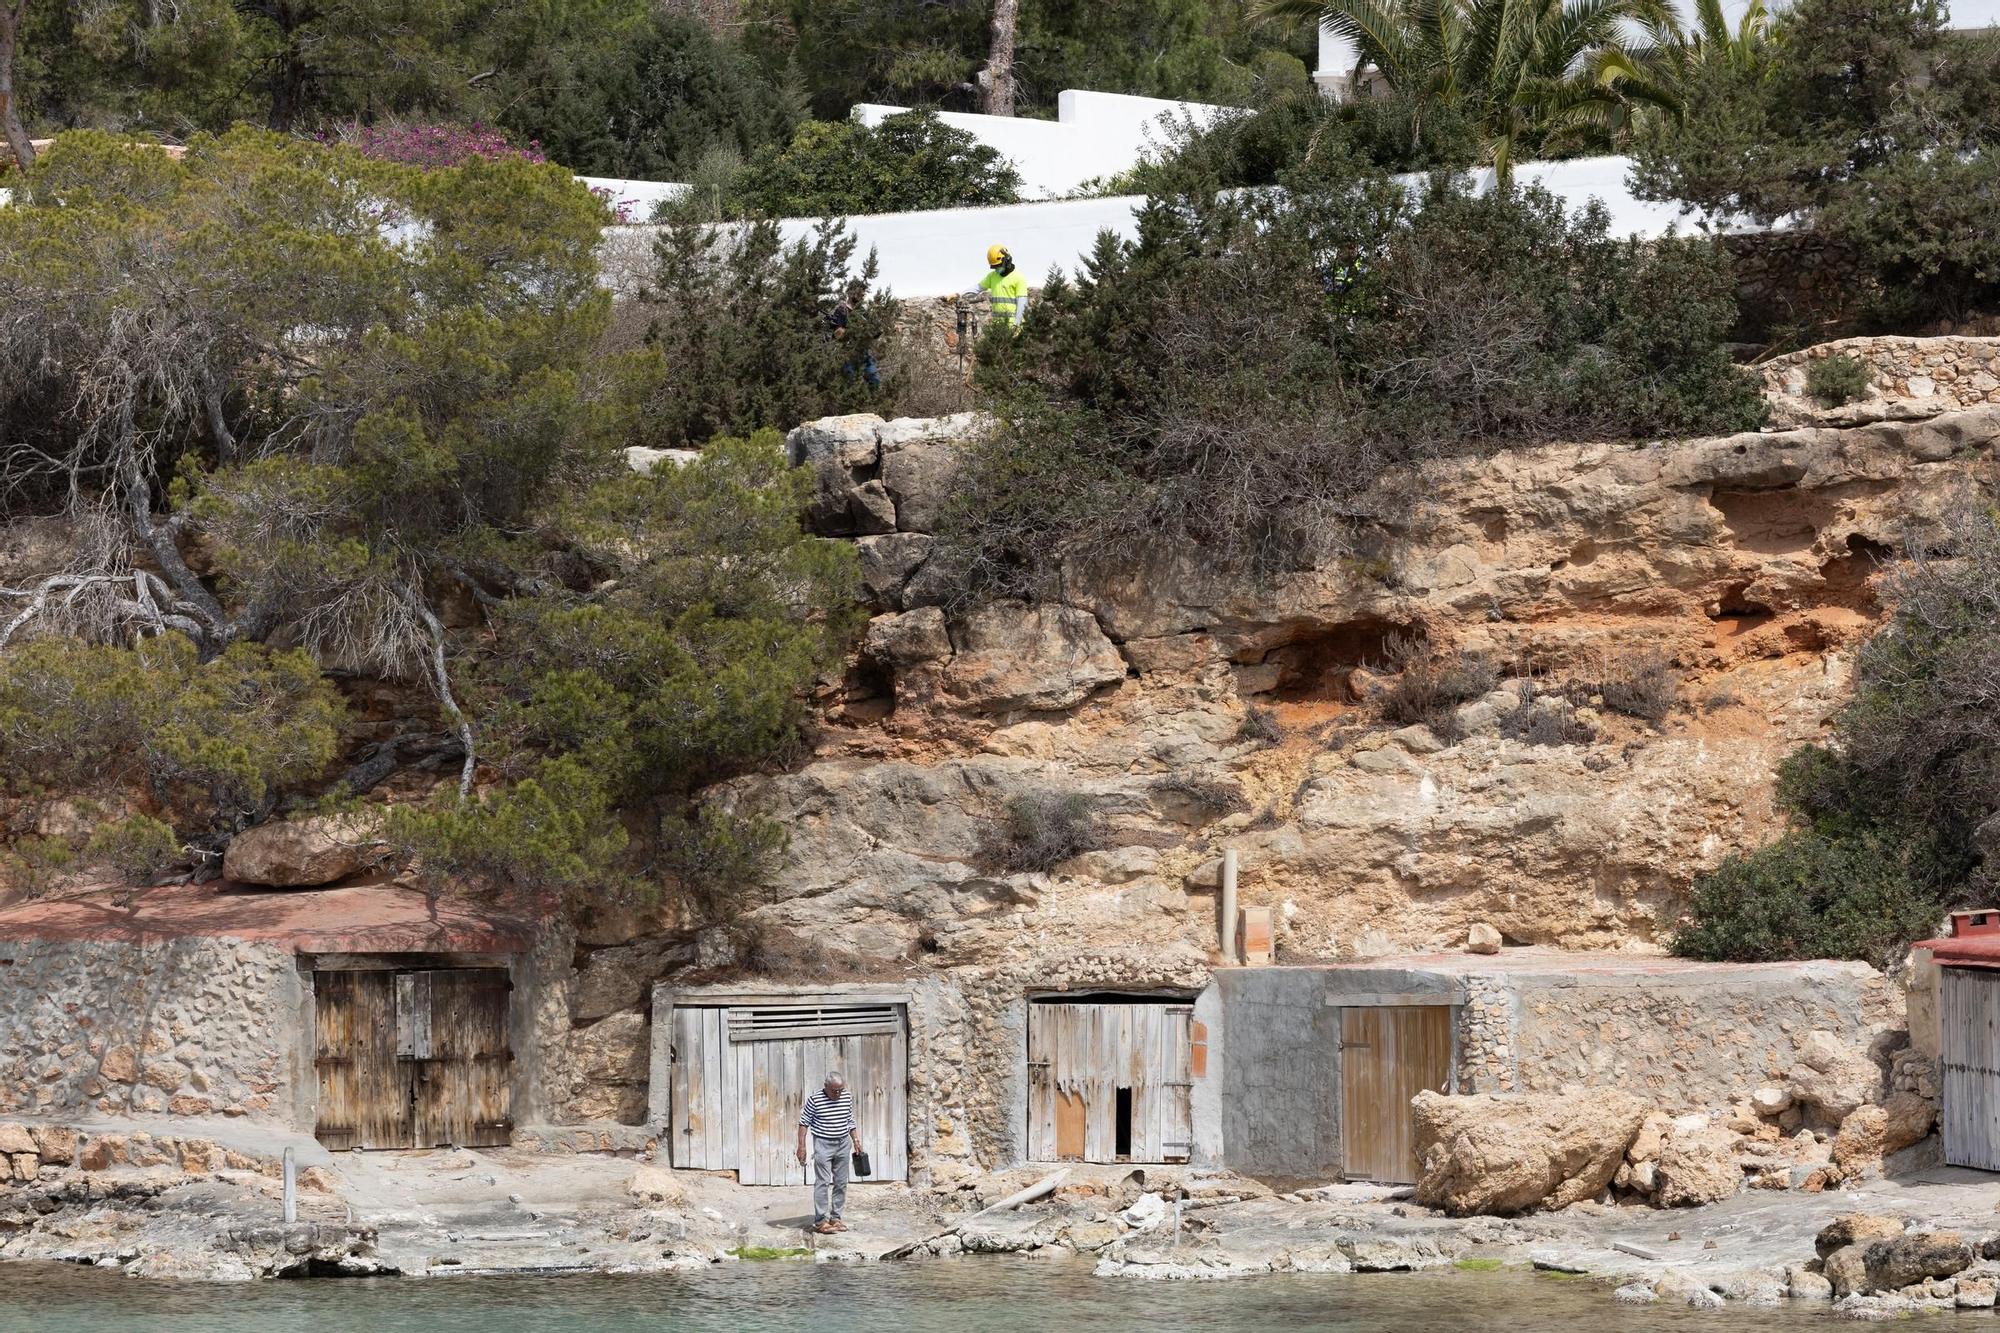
pixel 193 1209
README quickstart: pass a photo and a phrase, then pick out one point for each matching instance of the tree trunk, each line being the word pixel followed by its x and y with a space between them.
pixel 996 81
pixel 11 12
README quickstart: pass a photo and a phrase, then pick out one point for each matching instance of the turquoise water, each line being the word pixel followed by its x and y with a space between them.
pixel 976 1296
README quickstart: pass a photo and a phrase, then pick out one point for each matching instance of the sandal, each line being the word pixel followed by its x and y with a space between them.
pixel 838 1225
pixel 824 1228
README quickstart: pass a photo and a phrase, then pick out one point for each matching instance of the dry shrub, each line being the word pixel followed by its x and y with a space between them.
pixel 1038 832
pixel 1545 717
pixel 1640 685
pixel 1431 686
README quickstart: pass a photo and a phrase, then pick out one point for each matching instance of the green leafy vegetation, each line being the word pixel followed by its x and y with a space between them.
pixel 1840 378
pixel 212 743
pixel 399 452
pixel 1893 819
pixel 739 320
pixel 1368 329
pixel 1872 125
pixel 909 161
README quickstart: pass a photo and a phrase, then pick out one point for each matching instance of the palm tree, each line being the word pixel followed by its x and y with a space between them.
pixel 1526 73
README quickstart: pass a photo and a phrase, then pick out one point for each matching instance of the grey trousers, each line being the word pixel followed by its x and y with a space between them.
pixel 831 1165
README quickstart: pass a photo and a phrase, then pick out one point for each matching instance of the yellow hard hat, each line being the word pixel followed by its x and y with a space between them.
pixel 995 254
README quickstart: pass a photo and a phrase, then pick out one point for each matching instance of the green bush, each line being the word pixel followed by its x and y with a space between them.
pixel 215 743
pixel 1836 379
pixel 1815 895
pixel 742 329
pixel 139 848
pixel 834 169
pixel 1366 330
pixel 1874 126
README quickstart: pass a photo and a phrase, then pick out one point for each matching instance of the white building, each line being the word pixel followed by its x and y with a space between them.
pixel 1094 137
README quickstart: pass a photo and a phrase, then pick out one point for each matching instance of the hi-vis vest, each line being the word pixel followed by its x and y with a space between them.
pixel 1008 296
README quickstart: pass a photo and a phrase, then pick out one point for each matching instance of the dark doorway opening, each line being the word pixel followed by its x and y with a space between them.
pixel 1122 1119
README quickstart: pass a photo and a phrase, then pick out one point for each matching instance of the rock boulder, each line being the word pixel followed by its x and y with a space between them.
pixel 1834 1076
pixel 1509 1153
pixel 1697 1166
pixel 1044 658
pixel 303 853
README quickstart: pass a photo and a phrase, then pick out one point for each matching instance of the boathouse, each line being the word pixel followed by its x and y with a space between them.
pixel 371 1015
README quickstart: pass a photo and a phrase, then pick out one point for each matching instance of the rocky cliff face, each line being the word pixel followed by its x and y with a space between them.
pixel 1198 706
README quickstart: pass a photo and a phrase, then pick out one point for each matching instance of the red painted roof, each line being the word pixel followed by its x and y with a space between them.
pixel 365 918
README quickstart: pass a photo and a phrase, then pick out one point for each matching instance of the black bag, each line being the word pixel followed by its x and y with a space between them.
pixel 860 1163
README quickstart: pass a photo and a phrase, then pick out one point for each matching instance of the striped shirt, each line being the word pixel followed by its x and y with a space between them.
pixel 829 1117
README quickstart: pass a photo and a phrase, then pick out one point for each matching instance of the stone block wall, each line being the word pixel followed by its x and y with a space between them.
pixel 189 1027
pixel 1693 1040
pixel 1931 374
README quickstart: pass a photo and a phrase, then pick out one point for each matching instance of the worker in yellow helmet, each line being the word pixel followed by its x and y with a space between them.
pixel 1006 290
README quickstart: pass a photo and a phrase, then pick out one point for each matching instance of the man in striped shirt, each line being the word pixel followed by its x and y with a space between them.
pixel 828 1118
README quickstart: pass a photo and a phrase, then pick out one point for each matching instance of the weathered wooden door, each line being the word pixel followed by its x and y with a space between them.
pixel 1110 1082
pixel 741 1075
pixel 413 1059
pixel 364 1091
pixel 1388 1054
pixel 1969 1022
pixel 451 1026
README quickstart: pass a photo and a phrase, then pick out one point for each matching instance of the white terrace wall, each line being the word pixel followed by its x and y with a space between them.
pixel 942 252
pixel 1094 136
pixel 189 1027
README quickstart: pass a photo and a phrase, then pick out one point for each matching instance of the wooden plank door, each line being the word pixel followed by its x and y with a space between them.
pixel 364 1090
pixel 451 1025
pixel 704 1112
pixel 1969 1020
pixel 1388 1054
pixel 1110 1082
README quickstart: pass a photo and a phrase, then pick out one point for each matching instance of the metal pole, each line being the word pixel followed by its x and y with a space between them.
pixel 291 1189
pixel 1228 905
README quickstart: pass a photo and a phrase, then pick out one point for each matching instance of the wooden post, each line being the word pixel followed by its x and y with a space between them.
pixel 1228 906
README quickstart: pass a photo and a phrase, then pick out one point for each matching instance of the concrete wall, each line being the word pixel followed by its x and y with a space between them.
pixel 1280 1093
pixel 184 1027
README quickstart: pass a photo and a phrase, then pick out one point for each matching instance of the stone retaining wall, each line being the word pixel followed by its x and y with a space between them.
pixel 188 1027
pixel 1929 375
pixel 1692 1041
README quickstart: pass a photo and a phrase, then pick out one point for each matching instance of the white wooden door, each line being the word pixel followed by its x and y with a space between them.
pixel 741 1076
pixel 1969 1022
pixel 1110 1082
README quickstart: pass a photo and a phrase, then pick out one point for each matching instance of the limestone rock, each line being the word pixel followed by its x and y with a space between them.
pixel 17 1139
pixel 920 479
pixel 644 461
pixel 1802 1284
pixel 1509 1153
pixel 1697 1166
pixel 56 1143
pixel 1834 1076
pixel 301 853
pixel 1855 1229
pixel 851 440
pixel 1771 1101
pixel 1679 1288
pixel 1914 1257
pixel 888 561
pixel 657 1184
pixel 1481 938
pixel 908 639
pixel 1045 658
pixel 620 978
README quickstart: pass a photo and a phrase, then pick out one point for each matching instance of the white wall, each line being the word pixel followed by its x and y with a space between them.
pixel 943 252
pixel 1095 135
